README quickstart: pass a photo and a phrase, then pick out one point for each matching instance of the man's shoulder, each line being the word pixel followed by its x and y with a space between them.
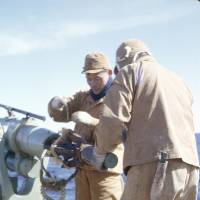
pixel 83 92
pixel 82 95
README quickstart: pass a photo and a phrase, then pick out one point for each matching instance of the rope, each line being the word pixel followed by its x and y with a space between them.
pixel 53 183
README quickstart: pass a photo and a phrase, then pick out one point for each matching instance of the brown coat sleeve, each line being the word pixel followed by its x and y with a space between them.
pixel 116 112
pixel 75 103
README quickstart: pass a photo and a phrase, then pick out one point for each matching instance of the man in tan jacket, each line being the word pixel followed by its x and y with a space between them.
pixel 155 105
pixel 90 183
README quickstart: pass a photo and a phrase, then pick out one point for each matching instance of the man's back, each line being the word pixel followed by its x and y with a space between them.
pixel 161 117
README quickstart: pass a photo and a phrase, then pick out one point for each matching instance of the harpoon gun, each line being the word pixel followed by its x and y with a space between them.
pixel 22 142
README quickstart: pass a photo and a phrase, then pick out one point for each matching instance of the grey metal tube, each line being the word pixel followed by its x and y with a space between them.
pixel 25 136
pixel 31 139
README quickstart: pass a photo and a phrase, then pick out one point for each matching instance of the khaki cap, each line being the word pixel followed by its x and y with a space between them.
pixel 95 62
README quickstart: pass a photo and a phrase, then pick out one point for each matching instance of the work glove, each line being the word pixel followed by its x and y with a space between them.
pixel 85 118
pixel 57 109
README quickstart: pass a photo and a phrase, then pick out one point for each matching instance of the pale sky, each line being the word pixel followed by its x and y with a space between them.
pixel 43 44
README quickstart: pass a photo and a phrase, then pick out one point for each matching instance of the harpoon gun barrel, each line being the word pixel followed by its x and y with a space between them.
pixel 28 114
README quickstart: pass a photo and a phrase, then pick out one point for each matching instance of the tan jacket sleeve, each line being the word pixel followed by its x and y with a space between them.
pixel 116 112
pixel 74 103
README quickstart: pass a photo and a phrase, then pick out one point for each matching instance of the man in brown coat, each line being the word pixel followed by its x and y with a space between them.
pixel 91 184
pixel 155 105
